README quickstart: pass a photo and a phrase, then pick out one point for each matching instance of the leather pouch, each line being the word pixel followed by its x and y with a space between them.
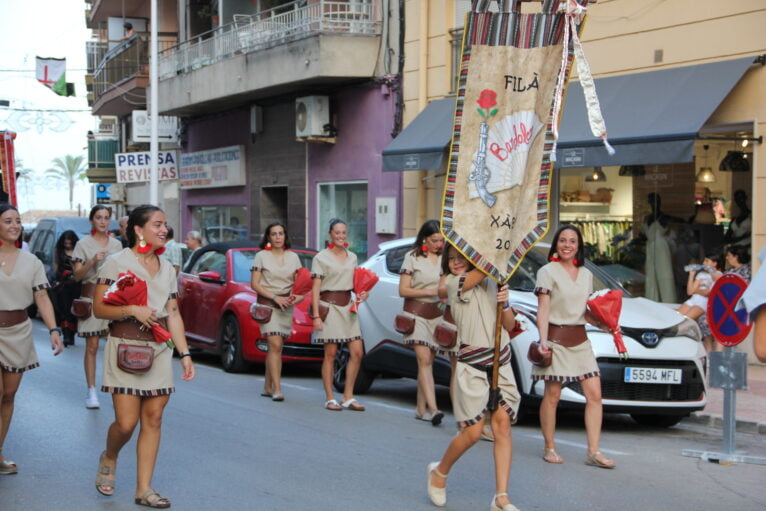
pixel 261 313
pixel 134 359
pixel 404 324
pixel 445 335
pixel 324 310
pixel 81 308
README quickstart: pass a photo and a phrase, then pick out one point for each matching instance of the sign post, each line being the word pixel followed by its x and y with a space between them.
pixel 728 369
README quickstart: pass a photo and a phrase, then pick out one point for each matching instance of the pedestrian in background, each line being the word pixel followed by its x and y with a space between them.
pixel 273 276
pixel 562 289
pixel 89 255
pixel 470 299
pixel 123 224
pixel 22 282
pixel 333 274
pixel 64 288
pixel 140 397
pixel 419 286
pixel 173 253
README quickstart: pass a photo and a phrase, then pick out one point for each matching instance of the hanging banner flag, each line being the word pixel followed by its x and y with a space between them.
pixel 513 73
pixel 7 166
pixel 52 73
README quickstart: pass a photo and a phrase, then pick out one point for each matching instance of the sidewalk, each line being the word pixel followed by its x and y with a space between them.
pixel 751 405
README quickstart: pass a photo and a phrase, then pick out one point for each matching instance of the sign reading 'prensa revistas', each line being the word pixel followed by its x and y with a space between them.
pixel 214 168
pixel 135 167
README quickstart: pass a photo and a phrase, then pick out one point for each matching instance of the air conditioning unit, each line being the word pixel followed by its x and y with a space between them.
pixel 312 114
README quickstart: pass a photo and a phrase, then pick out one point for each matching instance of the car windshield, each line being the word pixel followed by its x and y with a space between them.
pixel 243 261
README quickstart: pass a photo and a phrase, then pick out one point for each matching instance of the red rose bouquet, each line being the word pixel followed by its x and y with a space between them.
pixel 128 289
pixel 605 307
pixel 364 280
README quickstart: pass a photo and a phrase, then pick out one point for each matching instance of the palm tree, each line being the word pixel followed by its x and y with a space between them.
pixel 70 169
pixel 24 174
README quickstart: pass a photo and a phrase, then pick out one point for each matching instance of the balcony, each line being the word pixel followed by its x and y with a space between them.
pixel 121 74
pixel 281 50
pixel 101 161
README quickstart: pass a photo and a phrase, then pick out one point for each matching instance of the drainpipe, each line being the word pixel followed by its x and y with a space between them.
pixel 422 102
pixel 154 108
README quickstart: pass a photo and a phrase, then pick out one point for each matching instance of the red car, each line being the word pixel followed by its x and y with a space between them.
pixel 215 296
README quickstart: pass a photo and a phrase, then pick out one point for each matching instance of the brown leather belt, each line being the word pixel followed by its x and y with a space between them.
pixel 568 336
pixel 131 329
pixel 88 291
pixel 262 300
pixel 448 315
pixel 12 318
pixel 336 297
pixel 427 310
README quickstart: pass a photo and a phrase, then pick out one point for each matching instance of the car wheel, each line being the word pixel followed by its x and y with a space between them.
pixel 363 378
pixel 231 346
pixel 657 421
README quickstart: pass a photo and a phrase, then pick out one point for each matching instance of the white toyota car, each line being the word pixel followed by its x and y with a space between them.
pixel 662 381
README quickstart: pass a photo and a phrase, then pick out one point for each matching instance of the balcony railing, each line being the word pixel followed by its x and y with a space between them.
pixel 266 29
pixel 101 153
pixel 130 58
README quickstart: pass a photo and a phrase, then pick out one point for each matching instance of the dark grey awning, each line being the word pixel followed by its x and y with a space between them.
pixel 422 145
pixel 651 118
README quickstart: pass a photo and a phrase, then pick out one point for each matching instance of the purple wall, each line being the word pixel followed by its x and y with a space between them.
pixel 230 128
pixel 364 118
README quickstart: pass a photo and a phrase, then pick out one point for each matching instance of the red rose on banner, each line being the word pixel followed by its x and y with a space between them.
pixel 487 98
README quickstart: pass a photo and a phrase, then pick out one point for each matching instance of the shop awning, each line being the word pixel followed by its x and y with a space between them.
pixel 422 144
pixel 651 118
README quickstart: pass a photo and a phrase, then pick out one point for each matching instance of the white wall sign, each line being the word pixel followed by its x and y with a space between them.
pixel 167 131
pixel 214 168
pixel 134 167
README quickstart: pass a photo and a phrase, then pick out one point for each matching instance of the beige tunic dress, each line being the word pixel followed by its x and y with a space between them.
pixel 17 349
pixel 474 311
pixel 341 325
pixel 567 308
pixel 158 381
pixel 84 250
pixel 277 279
pixel 424 275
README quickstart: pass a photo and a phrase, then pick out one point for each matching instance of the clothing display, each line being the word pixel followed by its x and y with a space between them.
pixel 602 234
pixel 660 284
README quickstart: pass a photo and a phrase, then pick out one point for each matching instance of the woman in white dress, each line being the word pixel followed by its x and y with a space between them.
pixel 140 398
pixel 89 254
pixel 22 282
pixel 419 286
pixel 273 276
pixel 563 287
pixel 333 274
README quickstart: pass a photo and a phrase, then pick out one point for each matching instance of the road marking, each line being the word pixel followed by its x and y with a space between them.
pixel 576 444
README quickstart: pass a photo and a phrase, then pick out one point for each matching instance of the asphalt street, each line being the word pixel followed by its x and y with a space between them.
pixel 225 447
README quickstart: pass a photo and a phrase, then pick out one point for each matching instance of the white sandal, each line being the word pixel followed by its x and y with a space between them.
pixel 332 405
pixel 438 496
pixel 507 507
pixel 7 467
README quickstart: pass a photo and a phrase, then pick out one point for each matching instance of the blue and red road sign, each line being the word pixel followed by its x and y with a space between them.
pixel 729 326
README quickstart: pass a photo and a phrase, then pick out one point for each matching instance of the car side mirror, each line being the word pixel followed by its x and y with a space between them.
pixel 210 276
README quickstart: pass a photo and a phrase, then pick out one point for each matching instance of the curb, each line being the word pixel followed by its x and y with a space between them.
pixel 713 420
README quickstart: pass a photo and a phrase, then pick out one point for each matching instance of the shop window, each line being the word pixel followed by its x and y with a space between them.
pixel 347 201
pixel 220 223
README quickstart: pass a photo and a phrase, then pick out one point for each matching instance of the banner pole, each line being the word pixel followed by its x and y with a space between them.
pixel 494 390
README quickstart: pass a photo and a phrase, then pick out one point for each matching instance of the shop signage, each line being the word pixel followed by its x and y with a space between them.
pixel 573 157
pixel 102 193
pixel 659 179
pixel 214 168
pixel 412 162
pixel 167 129
pixel 134 167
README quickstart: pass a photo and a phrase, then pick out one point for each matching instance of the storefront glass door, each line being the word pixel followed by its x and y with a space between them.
pixel 347 201
pixel 220 223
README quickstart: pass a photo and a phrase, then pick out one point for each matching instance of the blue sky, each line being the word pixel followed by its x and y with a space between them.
pixel 46 125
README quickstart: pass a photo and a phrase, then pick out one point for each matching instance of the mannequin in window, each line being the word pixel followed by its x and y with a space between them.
pixel 741 225
pixel 660 284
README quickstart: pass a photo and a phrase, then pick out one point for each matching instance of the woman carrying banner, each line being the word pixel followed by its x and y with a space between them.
pixel 474 309
pixel 140 397
pixel 333 274
pixel 89 254
pixel 273 276
pixel 22 282
pixel 562 290
pixel 419 286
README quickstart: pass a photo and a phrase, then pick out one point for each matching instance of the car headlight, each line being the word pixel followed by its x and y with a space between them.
pixel 686 328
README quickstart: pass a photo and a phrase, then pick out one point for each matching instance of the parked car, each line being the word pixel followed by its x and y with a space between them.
pixel 662 381
pixel 48 230
pixel 215 296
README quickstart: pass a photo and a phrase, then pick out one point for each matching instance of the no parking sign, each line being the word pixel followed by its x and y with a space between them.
pixel 729 326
